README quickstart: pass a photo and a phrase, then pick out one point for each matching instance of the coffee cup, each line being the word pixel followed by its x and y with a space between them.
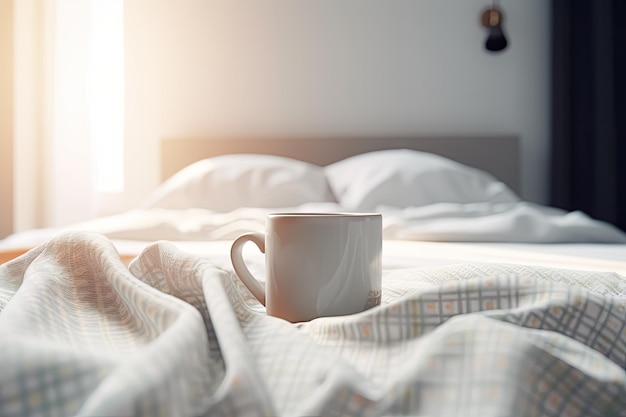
pixel 316 264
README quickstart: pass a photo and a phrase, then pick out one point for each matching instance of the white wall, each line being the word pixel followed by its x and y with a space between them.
pixel 331 67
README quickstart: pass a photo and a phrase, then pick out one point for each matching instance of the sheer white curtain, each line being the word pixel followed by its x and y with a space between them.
pixel 57 101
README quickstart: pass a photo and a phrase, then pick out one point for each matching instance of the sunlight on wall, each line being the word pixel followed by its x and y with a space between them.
pixel 106 89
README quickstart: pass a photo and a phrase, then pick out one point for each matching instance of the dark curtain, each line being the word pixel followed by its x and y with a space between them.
pixel 588 171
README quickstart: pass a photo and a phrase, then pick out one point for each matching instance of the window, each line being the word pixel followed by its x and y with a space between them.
pixel 106 90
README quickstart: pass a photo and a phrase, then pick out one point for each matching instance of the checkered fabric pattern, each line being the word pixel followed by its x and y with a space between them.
pixel 178 335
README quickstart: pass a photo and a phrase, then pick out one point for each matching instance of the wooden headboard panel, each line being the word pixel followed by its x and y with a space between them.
pixel 498 155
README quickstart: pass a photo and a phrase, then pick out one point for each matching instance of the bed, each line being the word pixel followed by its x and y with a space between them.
pixel 491 305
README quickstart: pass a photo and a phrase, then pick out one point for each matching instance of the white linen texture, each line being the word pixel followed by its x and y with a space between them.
pixel 179 335
pixel 520 222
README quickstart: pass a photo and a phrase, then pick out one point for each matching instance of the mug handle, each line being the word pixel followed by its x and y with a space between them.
pixel 240 267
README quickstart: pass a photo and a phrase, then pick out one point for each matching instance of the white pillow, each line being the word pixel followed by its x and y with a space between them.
pixel 225 183
pixel 407 178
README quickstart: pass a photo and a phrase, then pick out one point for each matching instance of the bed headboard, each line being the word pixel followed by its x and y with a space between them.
pixel 498 155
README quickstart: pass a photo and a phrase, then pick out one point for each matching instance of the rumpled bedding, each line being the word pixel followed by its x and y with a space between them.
pixel 519 222
pixel 176 334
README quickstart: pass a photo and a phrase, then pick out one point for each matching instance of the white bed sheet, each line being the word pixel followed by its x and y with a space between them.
pixel 439 234
pixel 514 222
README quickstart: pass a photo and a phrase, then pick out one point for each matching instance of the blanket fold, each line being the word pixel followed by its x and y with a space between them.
pixel 176 334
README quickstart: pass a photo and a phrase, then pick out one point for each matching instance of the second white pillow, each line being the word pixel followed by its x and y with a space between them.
pixel 408 178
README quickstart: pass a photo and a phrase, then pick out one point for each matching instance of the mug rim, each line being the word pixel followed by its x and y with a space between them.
pixel 330 214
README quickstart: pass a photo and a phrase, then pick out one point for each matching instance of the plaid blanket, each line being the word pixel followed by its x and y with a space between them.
pixel 177 335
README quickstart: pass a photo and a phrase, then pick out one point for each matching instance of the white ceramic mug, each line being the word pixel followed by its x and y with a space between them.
pixel 317 264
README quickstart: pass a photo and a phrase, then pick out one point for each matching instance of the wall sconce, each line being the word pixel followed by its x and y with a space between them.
pixel 492 19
